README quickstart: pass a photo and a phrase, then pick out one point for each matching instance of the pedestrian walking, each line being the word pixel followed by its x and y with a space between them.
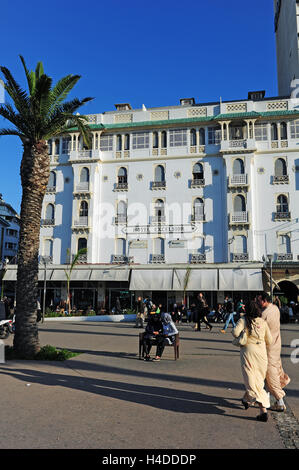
pixel 140 314
pixel 254 360
pixel 201 312
pixel 276 378
pixel 229 309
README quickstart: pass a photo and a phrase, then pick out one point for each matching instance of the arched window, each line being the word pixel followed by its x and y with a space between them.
pixel 159 208
pixel 159 246
pixel 239 203
pixel 118 143
pixel 122 209
pixel 48 248
pixel 198 209
pixel 283 131
pixel 50 212
pixel 83 212
pixel 66 144
pixel 52 180
pixel 280 167
pixel 127 142
pixel 274 133
pixel 82 244
pixel 159 173
pixel 284 244
pixel 197 171
pixel 122 176
pixel 282 204
pixel 121 246
pixel 202 137
pixel 84 175
pixel 238 167
pixel 163 139
pixel 155 140
pixel 57 146
pixel 193 139
pixel 50 146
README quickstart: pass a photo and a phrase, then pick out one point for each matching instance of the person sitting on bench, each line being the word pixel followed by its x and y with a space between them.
pixel 153 335
pixel 169 329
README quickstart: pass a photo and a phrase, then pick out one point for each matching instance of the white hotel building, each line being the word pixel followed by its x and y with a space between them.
pixel 212 187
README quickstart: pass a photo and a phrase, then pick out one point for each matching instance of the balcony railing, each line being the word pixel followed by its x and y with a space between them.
pixel 158 184
pixel 238 180
pixel 81 187
pixel 197 182
pixel 282 216
pixel 158 219
pixel 239 217
pixel 81 222
pixel 51 189
pixel 158 259
pixel 122 259
pixel 47 222
pixel 240 257
pixel 121 187
pixel 239 143
pixel 284 179
pixel 197 258
pixel 284 257
pixel 198 217
pixel 120 219
pixel 84 153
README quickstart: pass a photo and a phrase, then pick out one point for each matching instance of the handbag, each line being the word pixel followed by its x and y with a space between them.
pixel 241 340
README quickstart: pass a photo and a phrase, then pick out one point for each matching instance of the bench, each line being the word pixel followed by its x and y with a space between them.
pixel 176 346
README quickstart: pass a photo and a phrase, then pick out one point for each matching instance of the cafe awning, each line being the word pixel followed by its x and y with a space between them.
pixel 151 279
pixel 111 274
pixel 195 279
pixel 240 279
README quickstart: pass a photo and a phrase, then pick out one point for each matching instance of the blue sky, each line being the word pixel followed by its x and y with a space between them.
pixel 141 52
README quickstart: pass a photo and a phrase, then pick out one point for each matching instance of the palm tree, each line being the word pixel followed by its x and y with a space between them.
pixel 36 115
pixel 69 271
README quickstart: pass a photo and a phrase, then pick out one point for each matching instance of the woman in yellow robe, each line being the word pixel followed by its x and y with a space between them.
pixel 254 360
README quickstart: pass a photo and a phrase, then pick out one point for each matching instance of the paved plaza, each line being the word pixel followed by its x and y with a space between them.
pixel 106 398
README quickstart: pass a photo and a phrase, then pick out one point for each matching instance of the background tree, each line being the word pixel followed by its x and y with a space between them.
pixel 68 273
pixel 36 116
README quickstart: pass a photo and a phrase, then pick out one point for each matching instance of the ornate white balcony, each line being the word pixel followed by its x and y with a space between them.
pixel 81 222
pixel 239 217
pixel 49 222
pixel 284 257
pixel 197 258
pixel 282 216
pixel 283 179
pixel 238 180
pixel 240 257
pixel 158 185
pixel 158 259
pixel 122 259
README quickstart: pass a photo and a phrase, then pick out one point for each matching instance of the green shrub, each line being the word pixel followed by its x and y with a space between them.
pixel 46 353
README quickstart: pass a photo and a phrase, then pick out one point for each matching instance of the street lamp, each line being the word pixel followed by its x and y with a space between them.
pixel 45 260
pixel 270 258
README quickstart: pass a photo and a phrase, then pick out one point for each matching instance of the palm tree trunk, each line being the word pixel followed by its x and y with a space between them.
pixel 35 169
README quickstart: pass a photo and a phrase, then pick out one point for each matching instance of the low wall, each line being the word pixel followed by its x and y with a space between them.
pixel 95 318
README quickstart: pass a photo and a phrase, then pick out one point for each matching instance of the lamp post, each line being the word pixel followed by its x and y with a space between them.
pixel 45 260
pixel 270 258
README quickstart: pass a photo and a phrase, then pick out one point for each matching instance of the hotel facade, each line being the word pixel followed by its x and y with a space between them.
pixel 175 200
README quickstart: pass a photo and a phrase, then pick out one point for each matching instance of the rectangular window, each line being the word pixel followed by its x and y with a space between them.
pixel 66 144
pixel 106 143
pixel 261 131
pixel 177 137
pixel 294 125
pixel 140 140
pixel 214 135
